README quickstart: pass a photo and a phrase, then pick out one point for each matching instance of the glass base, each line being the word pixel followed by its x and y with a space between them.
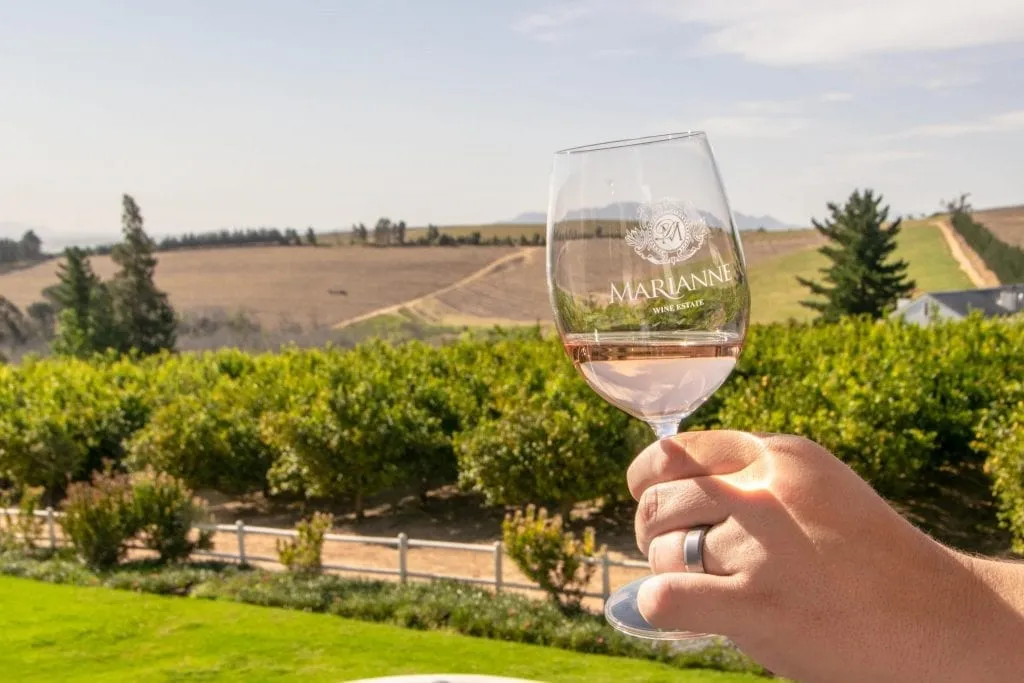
pixel 621 611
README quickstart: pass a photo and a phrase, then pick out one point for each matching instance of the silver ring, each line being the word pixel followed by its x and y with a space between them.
pixel 693 550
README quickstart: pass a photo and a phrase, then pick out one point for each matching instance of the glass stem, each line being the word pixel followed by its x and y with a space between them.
pixel 665 428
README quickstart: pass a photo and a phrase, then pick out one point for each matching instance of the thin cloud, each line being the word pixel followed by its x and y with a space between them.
pixel 950 82
pixel 553 25
pixel 836 97
pixel 998 123
pixel 615 52
pixel 800 32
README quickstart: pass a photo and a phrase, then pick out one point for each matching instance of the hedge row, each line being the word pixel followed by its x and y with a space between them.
pixel 507 417
pixel 1001 435
pixel 1005 260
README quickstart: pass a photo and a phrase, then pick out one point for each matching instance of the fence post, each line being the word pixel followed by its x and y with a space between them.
pixel 403 566
pixel 499 551
pixel 240 533
pixel 51 528
pixel 606 578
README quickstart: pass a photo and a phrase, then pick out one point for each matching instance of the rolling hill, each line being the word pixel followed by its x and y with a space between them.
pixel 364 288
pixel 1006 223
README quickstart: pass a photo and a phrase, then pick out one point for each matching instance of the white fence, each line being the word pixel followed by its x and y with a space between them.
pixel 401 543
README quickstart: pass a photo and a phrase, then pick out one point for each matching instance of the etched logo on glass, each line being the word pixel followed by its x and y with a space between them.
pixel 669 233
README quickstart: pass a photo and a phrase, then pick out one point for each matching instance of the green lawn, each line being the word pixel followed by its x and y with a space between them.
pixel 62 633
pixel 776 293
pixel 932 266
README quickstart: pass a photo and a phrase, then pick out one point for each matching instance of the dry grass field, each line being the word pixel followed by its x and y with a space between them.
pixel 1007 223
pixel 279 284
pixel 446 287
pixel 518 293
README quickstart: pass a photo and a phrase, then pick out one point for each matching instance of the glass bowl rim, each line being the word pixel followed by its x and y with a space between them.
pixel 632 142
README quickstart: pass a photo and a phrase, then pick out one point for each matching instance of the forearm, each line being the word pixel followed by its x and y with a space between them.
pixel 993 620
pixel 1005 580
pixel 962 622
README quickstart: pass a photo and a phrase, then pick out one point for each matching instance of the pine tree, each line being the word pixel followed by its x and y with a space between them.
pixel 311 236
pixel 145 320
pixel 82 329
pixel 77 282
pixel 862 278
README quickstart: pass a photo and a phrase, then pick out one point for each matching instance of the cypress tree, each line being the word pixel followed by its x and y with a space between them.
pixel 145 320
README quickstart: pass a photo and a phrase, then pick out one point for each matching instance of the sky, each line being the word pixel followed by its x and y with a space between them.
pixel 242 113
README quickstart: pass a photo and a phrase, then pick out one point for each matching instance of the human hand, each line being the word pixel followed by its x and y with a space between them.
pixel 808 570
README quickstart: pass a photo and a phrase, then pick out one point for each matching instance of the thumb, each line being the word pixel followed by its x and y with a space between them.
pixel 699 603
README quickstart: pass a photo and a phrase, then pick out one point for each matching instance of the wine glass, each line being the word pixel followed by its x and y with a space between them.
pixel 648 284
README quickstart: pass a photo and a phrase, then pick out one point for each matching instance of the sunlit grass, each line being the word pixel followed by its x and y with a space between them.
pixel 63 633
pixel 932 266
pixel 776 294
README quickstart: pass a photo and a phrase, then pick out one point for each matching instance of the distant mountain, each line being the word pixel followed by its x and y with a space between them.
pixel 530 218
pixel 623 209
pixel 745 222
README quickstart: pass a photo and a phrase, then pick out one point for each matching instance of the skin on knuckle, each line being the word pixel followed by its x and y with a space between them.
pixel 659 555
pixel 646 515
pixel 648 508
pixel 647 469
pixel 661 465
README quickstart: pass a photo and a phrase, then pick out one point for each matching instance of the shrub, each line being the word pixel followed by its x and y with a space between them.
pixel 346 438
pixel 559 445
pixel 892 400
pixel 99 519
pixel 163 512
pixel 209 438
pixel 439 407
pixel 551 556
pixel 1001 435
pixel 60 568
pixel 503 413
pixel 60 420
pixel 304 554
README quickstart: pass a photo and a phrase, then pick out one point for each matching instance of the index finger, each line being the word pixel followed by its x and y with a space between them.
pixel 692 454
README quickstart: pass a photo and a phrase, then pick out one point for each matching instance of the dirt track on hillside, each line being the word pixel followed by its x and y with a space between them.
pixel 968 260
pixel 518 292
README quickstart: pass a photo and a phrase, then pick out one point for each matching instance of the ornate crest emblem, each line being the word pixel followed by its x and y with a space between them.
pixel 669 233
